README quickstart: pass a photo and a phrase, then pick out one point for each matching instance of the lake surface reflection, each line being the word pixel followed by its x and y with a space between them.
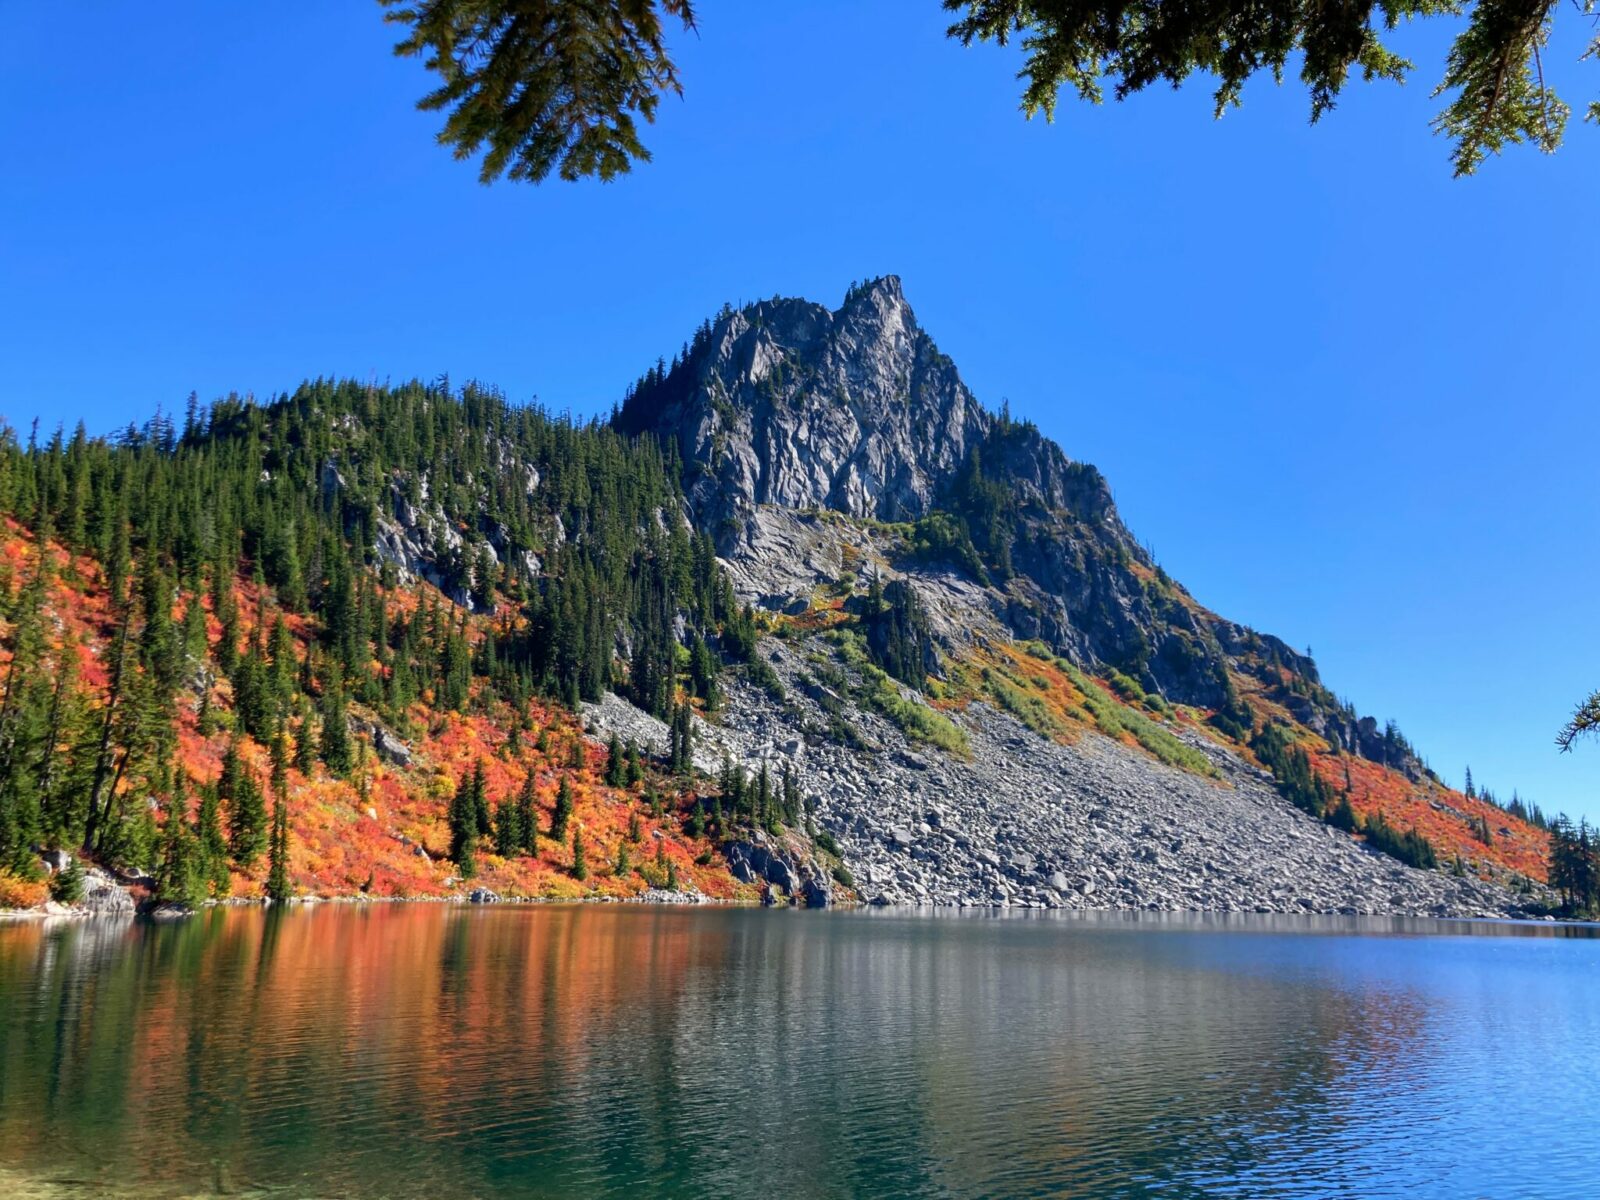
pixel 430 1051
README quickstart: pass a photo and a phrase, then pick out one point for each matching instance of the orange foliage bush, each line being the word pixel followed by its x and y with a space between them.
pixel 21 893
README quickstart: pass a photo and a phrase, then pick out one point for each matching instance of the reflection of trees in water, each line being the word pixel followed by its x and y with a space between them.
pixel 416 1050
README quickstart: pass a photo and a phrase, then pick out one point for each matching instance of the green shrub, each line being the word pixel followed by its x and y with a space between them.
pixel 916 721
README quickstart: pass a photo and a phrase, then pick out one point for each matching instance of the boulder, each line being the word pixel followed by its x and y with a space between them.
pixel 102 895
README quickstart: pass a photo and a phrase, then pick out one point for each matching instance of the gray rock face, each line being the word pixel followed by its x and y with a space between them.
pixel 790 405
pixel 1028 822
pixel 786 407
pixel 103 896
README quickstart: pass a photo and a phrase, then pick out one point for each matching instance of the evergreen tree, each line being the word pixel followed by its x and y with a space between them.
pixel 68 885
pixel 181 877
pixel 563 811
pixel 508 833
pixel 246 807
pixel 279 888
pixel 213 846
pixel 580 865
pixel 337 753
pixel 464 827
pixel 616 766
pixel 527 816
pixel 480 801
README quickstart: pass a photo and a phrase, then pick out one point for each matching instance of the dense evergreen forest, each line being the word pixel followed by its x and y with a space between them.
pixel 566 539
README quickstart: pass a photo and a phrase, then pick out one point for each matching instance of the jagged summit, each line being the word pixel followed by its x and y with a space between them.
pixel 786 406
pixel 790 405
pixel 854 409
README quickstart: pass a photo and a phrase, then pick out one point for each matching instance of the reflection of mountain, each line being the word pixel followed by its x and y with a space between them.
pixel 415 1051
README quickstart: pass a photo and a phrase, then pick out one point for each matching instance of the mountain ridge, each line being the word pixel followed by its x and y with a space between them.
pixel 907 642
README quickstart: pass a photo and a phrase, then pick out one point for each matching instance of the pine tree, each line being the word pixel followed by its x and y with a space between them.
pixel 480 801
pixel 508 835
pixel 464 828
pixel 336 749
pixel 181 877
pixel 563 811
pixel 580 866
pixel 279 889
pixel 616 766
pixel 246 807
pixel 213 846
pixel 528 816
pixel 67 887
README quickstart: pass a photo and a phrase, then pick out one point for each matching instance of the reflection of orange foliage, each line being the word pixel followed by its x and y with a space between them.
pixel 1442 816
pixel 383 832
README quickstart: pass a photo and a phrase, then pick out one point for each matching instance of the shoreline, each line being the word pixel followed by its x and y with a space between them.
pixel 699 900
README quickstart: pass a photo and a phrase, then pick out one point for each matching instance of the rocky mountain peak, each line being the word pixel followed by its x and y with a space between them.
pixel 854 409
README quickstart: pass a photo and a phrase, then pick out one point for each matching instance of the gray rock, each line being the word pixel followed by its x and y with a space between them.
pixel 103 896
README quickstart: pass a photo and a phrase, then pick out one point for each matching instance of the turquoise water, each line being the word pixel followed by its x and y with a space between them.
pixel 429 1051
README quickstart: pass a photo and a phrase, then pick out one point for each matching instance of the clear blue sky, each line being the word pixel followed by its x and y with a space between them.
pixel 1345 398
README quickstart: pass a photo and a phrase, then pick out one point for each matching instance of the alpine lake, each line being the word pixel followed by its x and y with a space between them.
pixel 400 1051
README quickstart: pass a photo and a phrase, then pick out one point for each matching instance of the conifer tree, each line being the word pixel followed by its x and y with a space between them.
pixel 508 836
pixel 480 800
pixel 68 885
pixel 580 865
pixel 246 807
pixel 279 889
pixel 464 828
pixel 563 810
pixel 616 766
pixel 181 877
pixel 336 749
pixel 213 846
pixel 528 816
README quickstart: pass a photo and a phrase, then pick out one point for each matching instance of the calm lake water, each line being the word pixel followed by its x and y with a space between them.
pixel 429 1051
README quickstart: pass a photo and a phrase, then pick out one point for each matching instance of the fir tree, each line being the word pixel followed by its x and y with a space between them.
pixel 246 807
pixel 213 846
pixel 181 877
pixel 580 865
pixel 527 816
pixel 616 766
pixel 68 885
pixel 464 828
pixel 336 750
pixel 508 834
pixel 563 811
pixel 279 889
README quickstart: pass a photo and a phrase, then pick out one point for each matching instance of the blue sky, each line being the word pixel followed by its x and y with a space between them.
pixel 1345 398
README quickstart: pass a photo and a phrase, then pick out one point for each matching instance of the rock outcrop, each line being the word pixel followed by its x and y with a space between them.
pixel 820 446
pixel 786 408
